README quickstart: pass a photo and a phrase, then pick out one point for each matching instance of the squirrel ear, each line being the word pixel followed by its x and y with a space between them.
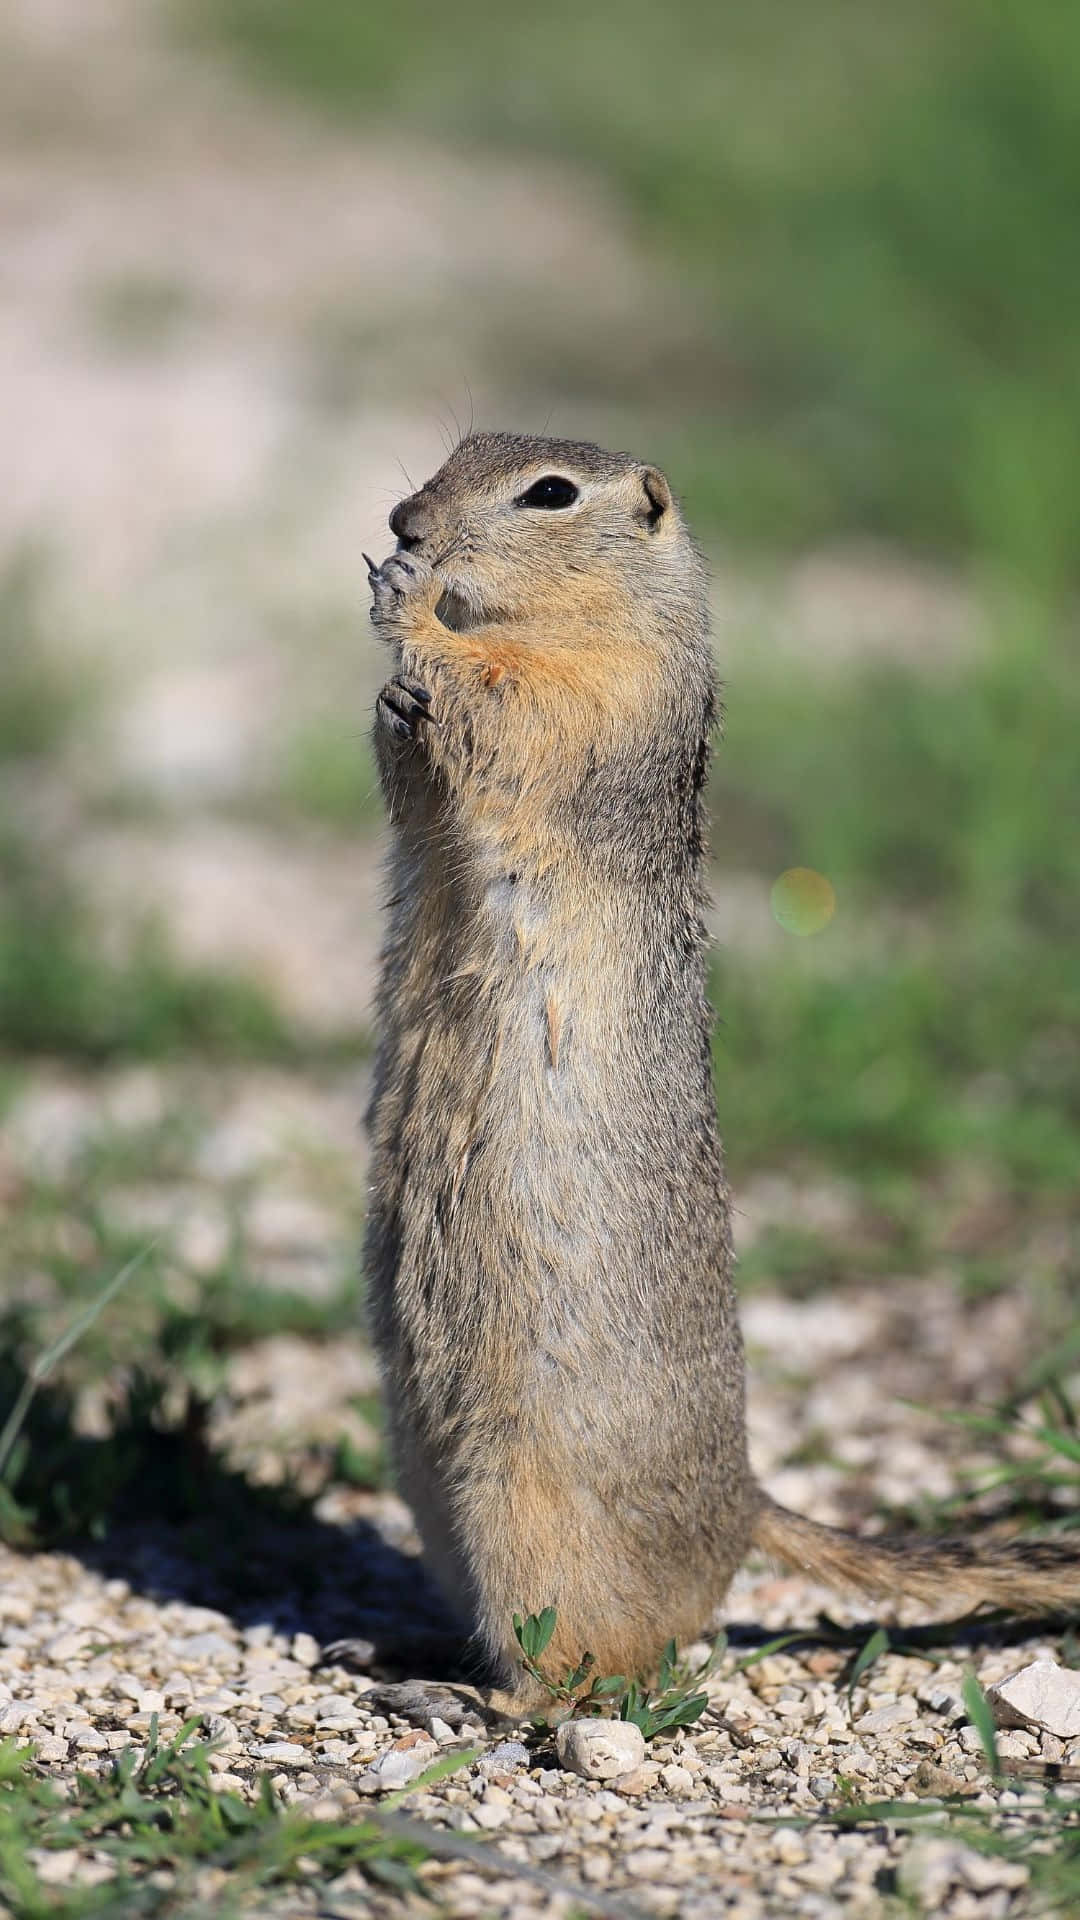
pixel 657 497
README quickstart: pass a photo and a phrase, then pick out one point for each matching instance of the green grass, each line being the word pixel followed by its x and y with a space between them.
pixel 872 211
pixel 60 989
pixel 935 1018
pixel 1045 1839
pixel 41 694
pixel 869 214
pixel 180 1323
pixel 166 1832
pixel 139 312
pixel 329 775
pixel 61 992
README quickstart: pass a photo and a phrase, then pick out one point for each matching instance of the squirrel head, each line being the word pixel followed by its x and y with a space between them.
pixel 530 529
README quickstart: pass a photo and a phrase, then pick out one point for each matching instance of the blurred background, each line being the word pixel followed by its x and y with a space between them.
pixel 258 263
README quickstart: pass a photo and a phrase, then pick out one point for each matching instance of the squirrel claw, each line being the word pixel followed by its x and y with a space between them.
pixel 402 705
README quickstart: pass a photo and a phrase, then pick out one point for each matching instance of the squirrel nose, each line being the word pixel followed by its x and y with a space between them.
pixel 409 521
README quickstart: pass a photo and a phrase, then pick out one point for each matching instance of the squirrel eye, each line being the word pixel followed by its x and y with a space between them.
pixel 551 491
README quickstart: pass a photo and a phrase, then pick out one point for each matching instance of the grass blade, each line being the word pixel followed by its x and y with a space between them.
pixel 980 1714
pixel 877 1644
pixel 45 1362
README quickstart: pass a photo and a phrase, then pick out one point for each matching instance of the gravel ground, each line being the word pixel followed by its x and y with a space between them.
pixel 703 1827
pixel 193 599
pixel 142 1624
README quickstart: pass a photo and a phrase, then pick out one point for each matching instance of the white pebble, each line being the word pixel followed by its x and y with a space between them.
pixel 886 1719
pixel 56 1867
pixel 224 1731
pixel 281 1753
pixel 396 1767
pixel 1041 1694
pixel 504 1757
pixel 599 1749
pixel 491 1817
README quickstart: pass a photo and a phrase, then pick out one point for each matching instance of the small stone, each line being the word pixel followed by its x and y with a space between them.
pixel 939 1782
pixel 821 1871
pixel 930 1868
pixel 938 1697
pixel 281 1753
pixel 596 1868
pixel 56 1866
pixel 150 1702
pixel 887 1719
pixel 18 1714
pixel 1040 1695
pixel 333 1706
pixel 821 1785
pixel 205 1646
pixel 68 1646
pixel 491 1817
pixel 440 1731
pixel 638 1780
pixel 221 1729
pixel 599 1749
pixel 1017 1743
pixel 677 1779
pixel 789 1847
pixel 982 1872
pixel 504 1757
pixel 397 1766
pixel 305 1650
pixel 649 1863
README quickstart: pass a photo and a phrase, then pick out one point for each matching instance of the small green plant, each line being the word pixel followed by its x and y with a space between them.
pixel 673 1703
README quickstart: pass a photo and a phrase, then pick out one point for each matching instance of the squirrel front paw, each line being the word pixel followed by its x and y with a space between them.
pixel 402 706
pixel 404 591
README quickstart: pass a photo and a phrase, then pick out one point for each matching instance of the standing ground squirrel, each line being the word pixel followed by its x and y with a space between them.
pixel 549 1248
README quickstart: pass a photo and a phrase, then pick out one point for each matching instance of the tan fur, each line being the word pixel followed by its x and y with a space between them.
pixel 548 1250
pixel 1036 1575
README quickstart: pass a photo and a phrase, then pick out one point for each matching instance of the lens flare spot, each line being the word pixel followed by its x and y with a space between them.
pixel 803 901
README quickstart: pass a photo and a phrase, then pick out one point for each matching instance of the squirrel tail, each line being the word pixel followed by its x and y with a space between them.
pixel 1022 1574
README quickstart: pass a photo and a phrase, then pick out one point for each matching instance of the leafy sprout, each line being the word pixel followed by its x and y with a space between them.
pixel 677 1700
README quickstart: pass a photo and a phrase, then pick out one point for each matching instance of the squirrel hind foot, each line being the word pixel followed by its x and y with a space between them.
pixel 423 1701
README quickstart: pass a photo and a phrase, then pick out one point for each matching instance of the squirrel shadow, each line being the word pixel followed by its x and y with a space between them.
pixel 154 1504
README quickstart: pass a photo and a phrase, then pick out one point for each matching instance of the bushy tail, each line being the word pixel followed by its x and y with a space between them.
pixel 1022 1574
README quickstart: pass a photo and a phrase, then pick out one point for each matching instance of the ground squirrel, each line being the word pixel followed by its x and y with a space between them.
pixel 549 1249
